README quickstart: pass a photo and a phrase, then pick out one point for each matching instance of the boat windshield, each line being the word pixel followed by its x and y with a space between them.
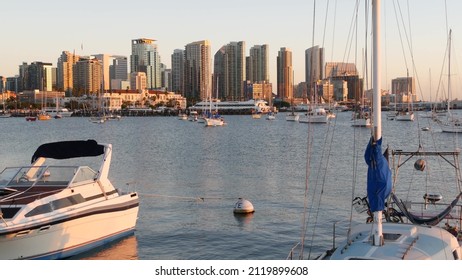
pixel 45 175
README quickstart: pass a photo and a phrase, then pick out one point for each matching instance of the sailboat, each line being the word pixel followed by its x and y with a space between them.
pixel 100 117
pixel 43 115
pixel 292 116
pixel 406 114
pixel 316 113
pixel 386 239
pixel 452 123
pixel 213 118
pixel 361 117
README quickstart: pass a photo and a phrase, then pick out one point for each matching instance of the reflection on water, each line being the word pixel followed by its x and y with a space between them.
pixel 243 220
pixel 124 249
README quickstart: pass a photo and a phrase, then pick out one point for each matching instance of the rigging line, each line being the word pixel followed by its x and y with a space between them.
pixel 307 185
pixel 333 33
pixel 400 36
pixel 186 197
pixel 308 150
pixel 346 54
pixel 330 132
pixel 446 16
pixel 325 23
pixel 385 64
pixel 365 64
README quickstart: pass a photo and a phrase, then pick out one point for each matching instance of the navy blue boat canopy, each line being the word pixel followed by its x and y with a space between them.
pixel 69 149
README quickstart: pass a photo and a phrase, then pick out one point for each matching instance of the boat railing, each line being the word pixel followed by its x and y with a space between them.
pixel 294 252
pixel 421 209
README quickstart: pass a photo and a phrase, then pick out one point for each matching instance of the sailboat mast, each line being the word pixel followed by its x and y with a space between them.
pixel 376 74
pixel 449 70
pixel 377 230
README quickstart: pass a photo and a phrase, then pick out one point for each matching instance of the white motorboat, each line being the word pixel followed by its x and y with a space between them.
pixel 54 212
pixel 57 111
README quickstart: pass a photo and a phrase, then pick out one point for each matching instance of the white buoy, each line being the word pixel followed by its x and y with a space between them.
pixel 243 206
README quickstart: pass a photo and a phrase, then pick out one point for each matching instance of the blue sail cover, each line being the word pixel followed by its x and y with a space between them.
pixel 378 176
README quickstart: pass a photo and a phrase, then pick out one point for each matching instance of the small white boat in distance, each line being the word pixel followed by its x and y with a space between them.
pixel 214 121
pixel 316 115
pixel 55 212
pixel 292 117
pixel 271 116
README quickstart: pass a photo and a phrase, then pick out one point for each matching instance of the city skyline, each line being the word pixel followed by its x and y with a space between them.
pixel 105 27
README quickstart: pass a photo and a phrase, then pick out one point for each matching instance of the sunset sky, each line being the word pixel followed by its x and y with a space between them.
pixel 41 30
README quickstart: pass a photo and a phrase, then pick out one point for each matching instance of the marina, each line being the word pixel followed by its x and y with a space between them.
pixel 189 178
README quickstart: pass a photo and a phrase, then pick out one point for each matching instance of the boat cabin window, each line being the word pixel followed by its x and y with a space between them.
pixel 391 236
pixel 56 204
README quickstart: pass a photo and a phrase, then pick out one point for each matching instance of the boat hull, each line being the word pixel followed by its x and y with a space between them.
pixel 292 117
pixel 213 122
pixel 314 119
pixel 72 233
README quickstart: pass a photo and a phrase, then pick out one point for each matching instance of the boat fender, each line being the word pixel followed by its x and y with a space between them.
pixel 419 165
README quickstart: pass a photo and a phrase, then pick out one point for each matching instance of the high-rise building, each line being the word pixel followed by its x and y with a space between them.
pixel 218 86
pixel 229 71
pixel 65 75
pixel 145 58
pixel 404 89
pixel 166 77
pixel 285 75
pixel 118 71
pixel 314 65
pixel 337 69
pixel 104 60
pixel 87 76
pixel 37 75
pixel 178 71
pixel 197 79
pixel 257 66
pixel 2 84
pixel 115 69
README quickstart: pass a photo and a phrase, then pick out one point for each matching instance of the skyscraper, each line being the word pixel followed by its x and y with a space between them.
pixel 65 71
pixel 258 70
pixel 197 80
pixel 285 75
pixel 118 71
pixel 37 75
pixel 314 65
pixel 87 76
pixel 229 70
pixel 104 59
pixel 178 71
pixel 145 58
pixel 219 73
